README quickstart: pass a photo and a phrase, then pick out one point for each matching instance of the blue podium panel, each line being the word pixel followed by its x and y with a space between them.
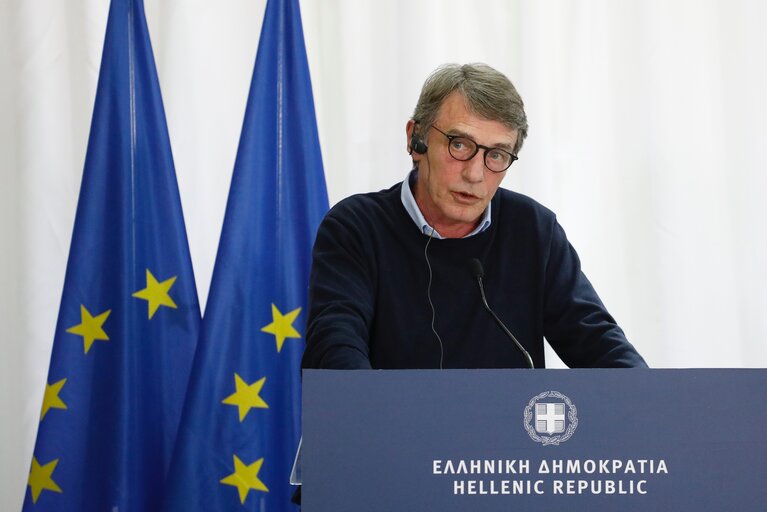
pixel 500 440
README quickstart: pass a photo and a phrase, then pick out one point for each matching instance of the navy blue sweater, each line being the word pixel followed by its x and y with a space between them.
pixel 368 292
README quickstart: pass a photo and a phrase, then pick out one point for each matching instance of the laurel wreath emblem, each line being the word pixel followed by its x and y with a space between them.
pixel 572 415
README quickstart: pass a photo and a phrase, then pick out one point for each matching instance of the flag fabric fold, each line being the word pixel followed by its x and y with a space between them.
pixel 241 422
pixel 129 316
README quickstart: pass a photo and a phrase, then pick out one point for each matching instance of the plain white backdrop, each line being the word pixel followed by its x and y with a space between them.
pixel 647 137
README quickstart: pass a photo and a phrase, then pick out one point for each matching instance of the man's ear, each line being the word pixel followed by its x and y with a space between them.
pixel 409 131
pixel 416 143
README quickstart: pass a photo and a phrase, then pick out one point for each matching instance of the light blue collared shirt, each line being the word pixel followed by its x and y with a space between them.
pixel 408 201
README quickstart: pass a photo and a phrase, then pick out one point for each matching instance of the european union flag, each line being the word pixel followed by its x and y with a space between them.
pixel 241 423
pixel 129 316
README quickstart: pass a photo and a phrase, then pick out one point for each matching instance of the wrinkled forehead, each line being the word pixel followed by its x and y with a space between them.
pixel 456 116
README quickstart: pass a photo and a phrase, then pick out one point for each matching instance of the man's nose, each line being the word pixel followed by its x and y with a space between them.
pixel 474 169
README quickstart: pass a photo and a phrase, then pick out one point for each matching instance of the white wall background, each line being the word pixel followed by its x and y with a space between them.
pixel 647 137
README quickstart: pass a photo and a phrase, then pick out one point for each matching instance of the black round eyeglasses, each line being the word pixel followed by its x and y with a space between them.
pixel 464 149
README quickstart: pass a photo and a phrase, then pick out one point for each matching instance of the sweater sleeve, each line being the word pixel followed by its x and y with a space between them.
pixel 576 323
pixel 341 297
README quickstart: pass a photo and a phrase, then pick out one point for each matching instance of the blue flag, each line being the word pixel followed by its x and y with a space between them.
pixel 241 421
pixel 129 316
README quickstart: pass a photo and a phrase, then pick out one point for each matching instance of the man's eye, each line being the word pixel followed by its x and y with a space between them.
pixel 497 155
pixel 462 146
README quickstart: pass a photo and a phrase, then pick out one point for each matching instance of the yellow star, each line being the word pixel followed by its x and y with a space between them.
pixel 245 478
pixel 282 326
pixel 156 294
pixel 40 478
pixel 246 397
pixel 90 327
pixel 51 399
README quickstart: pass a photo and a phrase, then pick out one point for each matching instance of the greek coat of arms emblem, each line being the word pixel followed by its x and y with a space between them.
pixel 550 418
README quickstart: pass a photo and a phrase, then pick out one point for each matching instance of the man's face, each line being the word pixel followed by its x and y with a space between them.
pixel 452 194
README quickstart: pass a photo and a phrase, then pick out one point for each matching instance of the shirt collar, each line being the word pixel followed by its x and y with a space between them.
pixel 408 201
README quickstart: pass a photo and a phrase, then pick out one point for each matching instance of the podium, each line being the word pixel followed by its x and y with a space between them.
pixel 500 440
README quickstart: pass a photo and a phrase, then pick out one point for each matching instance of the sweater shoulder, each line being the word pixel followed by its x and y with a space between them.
pixel 367 209
pixel 514 206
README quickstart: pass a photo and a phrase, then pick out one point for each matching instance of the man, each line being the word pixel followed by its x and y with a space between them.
pixel 393 284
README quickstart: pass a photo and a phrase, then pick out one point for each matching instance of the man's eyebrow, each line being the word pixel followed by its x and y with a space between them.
pixel 501 145
pixel 504 145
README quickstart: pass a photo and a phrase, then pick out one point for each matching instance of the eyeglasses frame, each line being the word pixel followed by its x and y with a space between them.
pixel 478 146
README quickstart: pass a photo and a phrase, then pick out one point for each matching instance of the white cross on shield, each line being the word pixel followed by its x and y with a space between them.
pixel 550 418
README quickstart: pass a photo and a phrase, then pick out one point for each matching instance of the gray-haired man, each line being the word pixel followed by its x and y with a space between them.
pixel 394 277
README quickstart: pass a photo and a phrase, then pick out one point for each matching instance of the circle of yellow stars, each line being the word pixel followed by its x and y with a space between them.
pixel 156 293
pixel 246 396
pixel 91 329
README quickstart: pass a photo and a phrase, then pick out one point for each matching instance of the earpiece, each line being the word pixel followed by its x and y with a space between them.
pixel 417 144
